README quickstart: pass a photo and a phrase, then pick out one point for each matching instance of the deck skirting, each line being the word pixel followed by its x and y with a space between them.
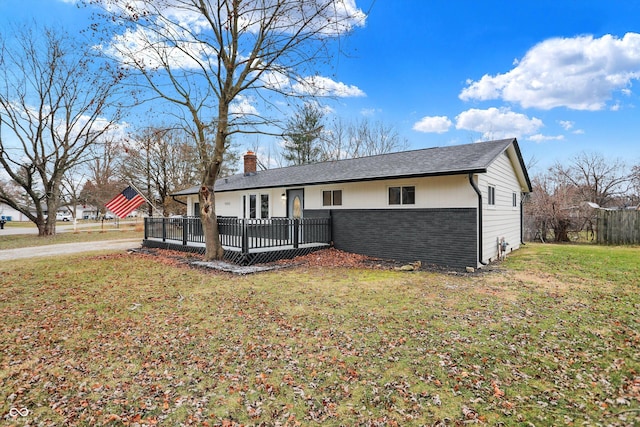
pixel 235 255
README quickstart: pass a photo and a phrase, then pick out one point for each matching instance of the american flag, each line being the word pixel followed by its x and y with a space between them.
pixel 124 203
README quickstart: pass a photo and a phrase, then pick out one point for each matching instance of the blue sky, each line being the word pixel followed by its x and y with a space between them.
pixel 561 76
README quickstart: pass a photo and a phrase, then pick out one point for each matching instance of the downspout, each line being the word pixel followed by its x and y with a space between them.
pixel 522 218
pixel 477 190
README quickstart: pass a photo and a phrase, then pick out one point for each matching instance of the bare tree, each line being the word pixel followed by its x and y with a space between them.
pixel 359 139
pixel 103 181
pixel 158 160
pixel 210 57
pixel 563 198
pixel 55 103
pixel 552 209
pixel 70 190
pixel 597 179
pixel 634 194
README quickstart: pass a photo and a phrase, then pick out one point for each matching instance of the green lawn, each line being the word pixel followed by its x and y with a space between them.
pixel 550 338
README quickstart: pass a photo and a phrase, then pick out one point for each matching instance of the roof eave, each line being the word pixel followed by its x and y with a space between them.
pixel 345 181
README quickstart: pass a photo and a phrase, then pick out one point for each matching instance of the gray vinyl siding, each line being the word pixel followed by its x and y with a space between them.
pixel 444 237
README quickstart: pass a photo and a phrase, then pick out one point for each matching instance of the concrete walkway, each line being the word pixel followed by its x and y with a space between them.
pixel 69 248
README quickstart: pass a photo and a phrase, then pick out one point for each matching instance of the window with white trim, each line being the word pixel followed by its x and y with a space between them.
pixel 264 206
pixel 254 210
pixel 491 198
pixel 402 195
pixel 252 206
pixel 332 198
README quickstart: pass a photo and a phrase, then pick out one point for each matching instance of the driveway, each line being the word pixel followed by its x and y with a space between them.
pixel 69 248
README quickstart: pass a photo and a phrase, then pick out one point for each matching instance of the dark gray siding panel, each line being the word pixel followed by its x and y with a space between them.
pixel 445 237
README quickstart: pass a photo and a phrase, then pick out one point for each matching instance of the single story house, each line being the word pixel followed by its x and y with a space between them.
pixel 447 206
pixel 7 213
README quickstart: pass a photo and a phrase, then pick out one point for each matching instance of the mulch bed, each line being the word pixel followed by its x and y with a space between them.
pixel 326 258
pixel 322 258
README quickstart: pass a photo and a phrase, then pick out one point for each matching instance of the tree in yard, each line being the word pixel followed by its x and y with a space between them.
pixel 210 59
pixel 70 189
pixel 56 102
pixel 302 134
pixel 158 160
pixel 551 208
pixel 103 181
pixel 634 196
pixel 596 179
pixel 362 138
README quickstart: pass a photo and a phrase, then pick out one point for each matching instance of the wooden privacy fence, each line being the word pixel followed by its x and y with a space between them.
pixel 618 227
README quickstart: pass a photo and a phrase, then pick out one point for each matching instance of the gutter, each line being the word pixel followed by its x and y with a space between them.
pixel 477 190
pixel 176 200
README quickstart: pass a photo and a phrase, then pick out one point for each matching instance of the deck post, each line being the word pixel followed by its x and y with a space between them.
pixel 245 237
pixel 296 232
pixel 185 231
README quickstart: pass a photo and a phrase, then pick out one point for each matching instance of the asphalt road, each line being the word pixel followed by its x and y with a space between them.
pixel 64 248
pixel 69 248
pixel 60 228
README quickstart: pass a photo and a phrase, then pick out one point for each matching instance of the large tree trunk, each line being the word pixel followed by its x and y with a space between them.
pixel 213 247
pixel 46 225
pixel 562 230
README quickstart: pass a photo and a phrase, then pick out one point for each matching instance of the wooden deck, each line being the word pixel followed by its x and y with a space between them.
pixel 245 242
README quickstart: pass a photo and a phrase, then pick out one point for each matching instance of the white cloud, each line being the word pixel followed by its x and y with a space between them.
pixel 324 86
pixel 151 51
pixel 369 112
pixel 433 124
pixel 186 27
pixel 242 107
pixel 497 123
pixel 541 138
pixel 566 124
pixel 580 73
pixel 275 81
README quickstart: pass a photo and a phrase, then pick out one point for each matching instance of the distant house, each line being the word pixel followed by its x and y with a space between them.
pixel 447 206
pixel 8 213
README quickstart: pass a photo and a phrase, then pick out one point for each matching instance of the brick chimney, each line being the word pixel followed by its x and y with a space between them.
pixel 250 163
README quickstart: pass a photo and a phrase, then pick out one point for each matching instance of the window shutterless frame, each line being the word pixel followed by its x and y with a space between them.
pixel 405 195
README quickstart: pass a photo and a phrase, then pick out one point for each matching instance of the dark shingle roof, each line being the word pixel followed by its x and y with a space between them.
pixel 456 159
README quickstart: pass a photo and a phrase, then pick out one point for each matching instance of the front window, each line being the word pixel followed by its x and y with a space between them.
pixel 408 195
pixel 326 198
pixel 402 195
pixel 252 206
pixel 264 206
pixel 332 198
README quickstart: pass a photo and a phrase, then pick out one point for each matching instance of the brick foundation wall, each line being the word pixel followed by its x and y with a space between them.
pixel 443 237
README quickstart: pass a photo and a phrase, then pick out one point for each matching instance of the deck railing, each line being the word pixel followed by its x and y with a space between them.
pixel 244 234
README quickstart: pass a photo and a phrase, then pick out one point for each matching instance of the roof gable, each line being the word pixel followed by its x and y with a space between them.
pixel 451 160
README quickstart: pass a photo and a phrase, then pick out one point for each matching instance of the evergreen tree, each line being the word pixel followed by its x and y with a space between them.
pixel 301 139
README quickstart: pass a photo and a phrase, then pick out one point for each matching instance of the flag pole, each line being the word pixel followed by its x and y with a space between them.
pixel 155 209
